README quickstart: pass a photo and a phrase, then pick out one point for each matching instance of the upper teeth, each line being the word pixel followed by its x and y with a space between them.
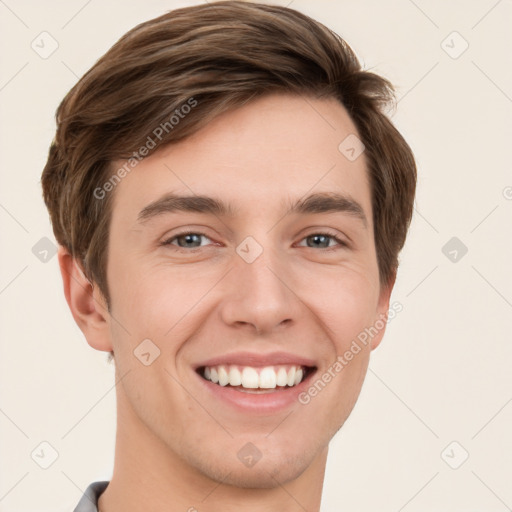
pixel 248 377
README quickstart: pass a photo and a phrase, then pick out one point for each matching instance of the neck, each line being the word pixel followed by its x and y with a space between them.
pixel 148 475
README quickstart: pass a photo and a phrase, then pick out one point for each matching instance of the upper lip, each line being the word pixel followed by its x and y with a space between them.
pixel 257 359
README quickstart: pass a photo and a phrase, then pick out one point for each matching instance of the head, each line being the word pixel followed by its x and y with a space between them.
pixel 251 111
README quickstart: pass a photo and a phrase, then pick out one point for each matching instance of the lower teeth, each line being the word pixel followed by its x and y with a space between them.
pixel 257 391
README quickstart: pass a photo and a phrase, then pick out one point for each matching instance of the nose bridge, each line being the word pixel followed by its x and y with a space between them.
pixel 259 292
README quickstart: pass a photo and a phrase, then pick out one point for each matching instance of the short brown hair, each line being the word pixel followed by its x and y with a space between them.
pixel 221 55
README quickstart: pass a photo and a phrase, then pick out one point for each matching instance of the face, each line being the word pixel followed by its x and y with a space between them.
pixel 245 255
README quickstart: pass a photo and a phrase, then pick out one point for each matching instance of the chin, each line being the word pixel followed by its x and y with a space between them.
pixel 274 469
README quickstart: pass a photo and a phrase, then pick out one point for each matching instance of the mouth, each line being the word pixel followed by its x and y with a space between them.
pixel 256 379
pixel 255 383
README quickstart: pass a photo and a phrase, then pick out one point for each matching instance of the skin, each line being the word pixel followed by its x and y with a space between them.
pixel 177 448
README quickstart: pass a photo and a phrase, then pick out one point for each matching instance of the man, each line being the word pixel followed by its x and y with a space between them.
pixel 230 202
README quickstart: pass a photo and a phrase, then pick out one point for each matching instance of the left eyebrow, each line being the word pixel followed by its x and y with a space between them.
pixel 329 202
pixel 321 202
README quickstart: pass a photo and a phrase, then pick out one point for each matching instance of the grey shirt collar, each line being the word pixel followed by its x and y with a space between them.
pixel 89 500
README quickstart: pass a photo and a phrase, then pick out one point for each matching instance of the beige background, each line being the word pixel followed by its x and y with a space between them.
pixel 443 372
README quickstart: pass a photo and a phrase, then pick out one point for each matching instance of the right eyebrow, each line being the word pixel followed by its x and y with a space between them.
pixel 170 203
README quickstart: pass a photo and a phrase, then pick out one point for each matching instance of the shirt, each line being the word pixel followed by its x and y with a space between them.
pixel 89 500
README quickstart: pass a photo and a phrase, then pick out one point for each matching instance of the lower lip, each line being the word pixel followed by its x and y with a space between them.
pixel 270 402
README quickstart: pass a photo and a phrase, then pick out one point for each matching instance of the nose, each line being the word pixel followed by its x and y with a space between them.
pixel 260 296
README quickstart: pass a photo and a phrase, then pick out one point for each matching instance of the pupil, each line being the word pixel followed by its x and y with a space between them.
pixel 317 238
pixel 188 239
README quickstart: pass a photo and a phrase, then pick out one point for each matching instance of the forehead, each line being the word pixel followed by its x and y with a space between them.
pixel 268 153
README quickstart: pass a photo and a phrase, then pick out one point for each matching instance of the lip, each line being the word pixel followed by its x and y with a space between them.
pixel 257 359
pixel 270 402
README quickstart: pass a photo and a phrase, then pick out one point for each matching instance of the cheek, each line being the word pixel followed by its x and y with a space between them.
pixel 162 304
pixel 345 301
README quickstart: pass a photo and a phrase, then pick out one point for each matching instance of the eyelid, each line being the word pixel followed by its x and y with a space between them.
pixel 326 232
pixel 169 240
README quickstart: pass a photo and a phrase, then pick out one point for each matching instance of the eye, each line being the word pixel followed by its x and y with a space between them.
pixel 192 240
pixel 322 241
pixel 188 240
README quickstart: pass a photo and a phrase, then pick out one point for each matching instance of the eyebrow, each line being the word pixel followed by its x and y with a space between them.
pixel 321 202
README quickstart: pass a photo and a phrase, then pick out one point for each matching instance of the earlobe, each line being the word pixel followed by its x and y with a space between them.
pixel 87 305
pixel 382 311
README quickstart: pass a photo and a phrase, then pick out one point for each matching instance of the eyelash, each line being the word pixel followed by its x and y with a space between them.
pixel 169 241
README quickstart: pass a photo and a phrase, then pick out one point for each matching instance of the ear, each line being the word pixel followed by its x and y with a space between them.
pixel 86 302
pixel 381 317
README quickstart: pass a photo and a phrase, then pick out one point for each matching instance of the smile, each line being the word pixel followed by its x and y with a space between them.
pixel 255 379
pixel 255 383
